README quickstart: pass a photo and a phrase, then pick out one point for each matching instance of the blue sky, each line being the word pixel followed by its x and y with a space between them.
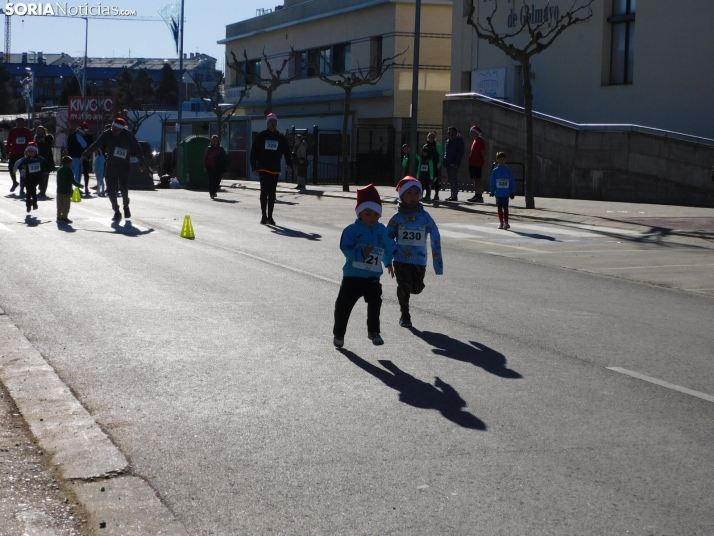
pixel 205 24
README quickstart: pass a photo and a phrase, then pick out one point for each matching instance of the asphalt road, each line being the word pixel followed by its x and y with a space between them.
pixel 210 364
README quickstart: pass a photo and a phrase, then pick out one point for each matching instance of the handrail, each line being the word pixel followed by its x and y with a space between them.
pixel 615 127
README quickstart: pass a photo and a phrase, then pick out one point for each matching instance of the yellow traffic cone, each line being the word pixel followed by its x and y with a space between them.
pixel 187 229
pixel 77 196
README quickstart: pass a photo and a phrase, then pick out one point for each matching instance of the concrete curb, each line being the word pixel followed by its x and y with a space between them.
pixel 80 451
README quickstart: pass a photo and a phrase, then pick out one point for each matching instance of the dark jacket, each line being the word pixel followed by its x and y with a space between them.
pixel 119 149
pixel 268 148
pixel 454 151
pixel 215 159
pixel 74 147
pixel 44 147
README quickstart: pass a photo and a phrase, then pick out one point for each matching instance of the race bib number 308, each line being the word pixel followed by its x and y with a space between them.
pixel 271 145
pixel 373 261
pixel 120 152
pixel 503 183
pixel 412 236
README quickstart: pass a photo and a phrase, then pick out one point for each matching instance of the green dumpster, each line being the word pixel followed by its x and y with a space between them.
pixel 193 176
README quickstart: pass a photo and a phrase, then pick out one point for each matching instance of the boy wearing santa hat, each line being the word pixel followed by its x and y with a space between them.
pixel 408 229
pixel 366 247
pixel 32 167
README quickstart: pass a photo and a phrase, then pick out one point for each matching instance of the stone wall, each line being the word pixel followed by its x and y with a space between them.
pixel 617 163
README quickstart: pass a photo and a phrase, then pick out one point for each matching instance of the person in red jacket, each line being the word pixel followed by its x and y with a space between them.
pixel 476 163
pixel 17 140
pixel 215 161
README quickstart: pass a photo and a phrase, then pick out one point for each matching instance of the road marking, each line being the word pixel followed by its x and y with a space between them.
pixel 654 266
pixel 662 383
pixel 454 234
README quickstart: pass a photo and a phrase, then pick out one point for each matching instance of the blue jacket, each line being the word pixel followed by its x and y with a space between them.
pixel 355 238
pixel 499 186
pixel 454 151
pixel 408 233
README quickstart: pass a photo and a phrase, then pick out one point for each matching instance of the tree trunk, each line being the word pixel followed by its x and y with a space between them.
pixel 346 142
pixel 268 101
pixel 529 185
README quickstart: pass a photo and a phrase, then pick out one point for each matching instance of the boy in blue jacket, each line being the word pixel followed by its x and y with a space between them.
pixel 366 247
pixel 503 186
pixel 408 229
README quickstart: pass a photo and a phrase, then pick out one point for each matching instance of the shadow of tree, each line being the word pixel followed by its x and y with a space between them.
pixel 441 396
pixel 475 353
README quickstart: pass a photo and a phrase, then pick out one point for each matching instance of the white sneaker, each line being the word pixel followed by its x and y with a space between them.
pixel 339 343
pixel 506 226
pixel 501 226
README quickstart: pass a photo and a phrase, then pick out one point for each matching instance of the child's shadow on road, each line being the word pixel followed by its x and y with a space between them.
pixel 292 233
pixel 419 394
pixel 477 353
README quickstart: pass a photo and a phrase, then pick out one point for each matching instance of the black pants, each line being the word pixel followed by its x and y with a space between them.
pixel 410 280
pixel 214 180
pixel 31 183
pixel 120 179
pixel 351 290
pixel 426 187
pixel 268 185
pixel 437 180
pixel 86 170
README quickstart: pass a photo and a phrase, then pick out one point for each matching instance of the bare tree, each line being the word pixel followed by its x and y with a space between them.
pixel 271 84
pixel 213 98
pixel 135 118
pixel 537 38
pixel 347 81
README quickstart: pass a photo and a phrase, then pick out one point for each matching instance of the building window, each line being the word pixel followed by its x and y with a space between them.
pixel 246 73
pixel 329 60
pixel 342 58
pixel 622 54
pixel 375 52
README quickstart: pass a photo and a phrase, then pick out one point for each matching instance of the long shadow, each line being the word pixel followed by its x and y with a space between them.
pixel 414 392
pixel 65 227
pixel 127 229
pixel 535 236
pixel 475 353
pixel 279 202
pixel 219 200
pixel 292 233
pixel 32 221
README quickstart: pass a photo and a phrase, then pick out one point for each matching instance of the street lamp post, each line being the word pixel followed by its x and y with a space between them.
pixel 84 68
pixel 179 118
pixel 28 91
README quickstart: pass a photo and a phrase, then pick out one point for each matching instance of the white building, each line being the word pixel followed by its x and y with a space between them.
pixel 647 63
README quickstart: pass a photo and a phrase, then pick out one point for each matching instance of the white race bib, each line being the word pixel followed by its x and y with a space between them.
pixel 271 145
pixel 34 167
pixel 412 236
pixel 120 152
pixel 503 183
pixel 20 141
pixel 424 167
pixel 373 262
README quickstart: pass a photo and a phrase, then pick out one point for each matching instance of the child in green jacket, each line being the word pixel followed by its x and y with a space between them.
pixel 65 181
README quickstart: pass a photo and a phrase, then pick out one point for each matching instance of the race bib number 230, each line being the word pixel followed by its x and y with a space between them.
pixel 412 236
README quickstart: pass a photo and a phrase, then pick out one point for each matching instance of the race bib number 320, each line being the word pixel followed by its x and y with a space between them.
pixel 503 183
pixel 412 236
pixel 271 145
pixel 119 152
pixel 373 261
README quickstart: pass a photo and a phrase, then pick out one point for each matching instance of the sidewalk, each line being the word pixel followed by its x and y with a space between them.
pixel 672 220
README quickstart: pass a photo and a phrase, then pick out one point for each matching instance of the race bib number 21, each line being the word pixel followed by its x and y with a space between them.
pixel 373 261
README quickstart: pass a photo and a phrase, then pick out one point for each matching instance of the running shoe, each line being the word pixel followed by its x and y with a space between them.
pixel 501 226
pixel 405 322
pixel 339 343
pixel 117 216
pixel 14 186
pixel 34 206
pixel 506 226
pixel 271 221
pixel 263 220
pixel 375 338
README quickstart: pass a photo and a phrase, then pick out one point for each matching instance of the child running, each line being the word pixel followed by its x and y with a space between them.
pixel 408 228
pixel 503 186
pixel 32 168
pixel 366 246
pixel 65 180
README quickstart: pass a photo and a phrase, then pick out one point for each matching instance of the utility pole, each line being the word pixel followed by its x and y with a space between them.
pixel 177 164
pixel 413 135
pixel 84 68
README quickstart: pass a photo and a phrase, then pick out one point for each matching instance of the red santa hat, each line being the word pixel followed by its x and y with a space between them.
pixel 406 183
pixel 271 117
pixel 119 123
pixel 84 126
pixel 368 197
pixel 475 129
pixel 32 145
